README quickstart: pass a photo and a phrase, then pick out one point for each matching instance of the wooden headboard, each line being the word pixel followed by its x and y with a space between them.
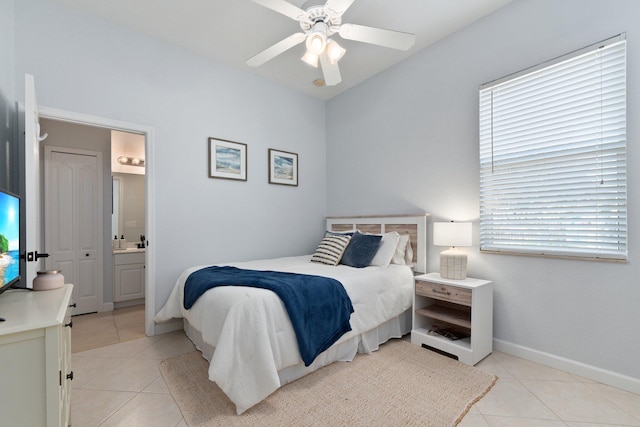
pixel 413 225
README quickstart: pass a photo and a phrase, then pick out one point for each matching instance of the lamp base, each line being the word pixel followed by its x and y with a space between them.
pixel 453 264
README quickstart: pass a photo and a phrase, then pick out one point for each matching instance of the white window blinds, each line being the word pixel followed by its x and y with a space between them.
pixel 553 157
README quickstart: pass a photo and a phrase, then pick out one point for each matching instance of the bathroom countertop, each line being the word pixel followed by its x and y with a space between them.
pixel 128 251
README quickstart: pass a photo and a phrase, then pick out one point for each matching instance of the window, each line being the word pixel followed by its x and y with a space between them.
pixel 553 157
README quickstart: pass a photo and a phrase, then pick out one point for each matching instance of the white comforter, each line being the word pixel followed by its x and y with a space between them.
pixel 251 331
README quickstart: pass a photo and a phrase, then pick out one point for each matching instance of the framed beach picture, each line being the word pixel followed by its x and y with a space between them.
pixel 227 159
pixel 283 167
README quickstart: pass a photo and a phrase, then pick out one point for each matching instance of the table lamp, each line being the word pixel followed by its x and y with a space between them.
pixel 453 262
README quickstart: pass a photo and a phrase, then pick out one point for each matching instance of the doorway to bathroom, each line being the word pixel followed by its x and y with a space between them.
pixel 61 133
pixel 128 225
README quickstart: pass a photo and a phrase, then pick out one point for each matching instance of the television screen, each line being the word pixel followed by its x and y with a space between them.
pixel 9 239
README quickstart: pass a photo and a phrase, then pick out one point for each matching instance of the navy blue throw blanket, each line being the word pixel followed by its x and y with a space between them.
pixel 319 307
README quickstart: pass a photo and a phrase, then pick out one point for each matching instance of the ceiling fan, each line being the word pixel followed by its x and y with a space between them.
pixel 318 24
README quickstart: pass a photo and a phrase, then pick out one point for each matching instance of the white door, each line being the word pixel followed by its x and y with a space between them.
pixel 73 221
pixel 31 191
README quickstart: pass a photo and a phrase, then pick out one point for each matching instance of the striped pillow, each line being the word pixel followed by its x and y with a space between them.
pixel 330 249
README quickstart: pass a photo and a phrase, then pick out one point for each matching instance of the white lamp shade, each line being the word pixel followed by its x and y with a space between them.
pixel 317 39
pixel 310 58
pixel 334 51
pixel 452 234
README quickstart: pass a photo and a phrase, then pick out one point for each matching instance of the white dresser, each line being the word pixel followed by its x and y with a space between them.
pixel 35 357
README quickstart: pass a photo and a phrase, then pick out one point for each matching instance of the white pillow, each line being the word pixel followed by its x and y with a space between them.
pixel 386 250
pixel 400 256
pixel 408 254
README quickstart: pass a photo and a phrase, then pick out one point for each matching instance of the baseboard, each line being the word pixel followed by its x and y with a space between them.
pixel 604 376
pixel 129 303
pixel 170 326
pixel 107 306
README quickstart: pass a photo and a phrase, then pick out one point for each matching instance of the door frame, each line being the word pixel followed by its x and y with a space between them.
pixel 30 185
pixel 149 134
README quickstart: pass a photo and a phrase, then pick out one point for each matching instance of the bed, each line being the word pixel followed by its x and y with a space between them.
pixel 246 333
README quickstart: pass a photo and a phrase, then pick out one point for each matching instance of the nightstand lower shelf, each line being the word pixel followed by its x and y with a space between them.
pixel 460 348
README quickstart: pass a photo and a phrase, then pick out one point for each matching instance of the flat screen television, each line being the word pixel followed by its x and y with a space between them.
pixel 9 240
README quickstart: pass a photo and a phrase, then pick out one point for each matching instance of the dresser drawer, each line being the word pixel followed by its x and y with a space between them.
pixel 444 292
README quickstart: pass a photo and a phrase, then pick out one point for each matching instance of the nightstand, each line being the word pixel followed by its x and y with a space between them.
pixel 461 305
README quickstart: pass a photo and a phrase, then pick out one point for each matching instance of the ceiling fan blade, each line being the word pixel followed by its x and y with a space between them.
pixel 331 72
pixel 338 6
pixel 387 38
pixel 283 7
pixel 276 49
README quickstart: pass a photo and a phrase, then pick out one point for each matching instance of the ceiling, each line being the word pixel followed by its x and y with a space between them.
pixel 231 31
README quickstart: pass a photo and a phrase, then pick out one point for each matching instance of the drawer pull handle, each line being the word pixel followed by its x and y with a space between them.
pixel 437 291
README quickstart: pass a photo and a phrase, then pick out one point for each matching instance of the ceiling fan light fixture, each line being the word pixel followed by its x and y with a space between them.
pixel 335 51
pixel 319 23
pixel 310 58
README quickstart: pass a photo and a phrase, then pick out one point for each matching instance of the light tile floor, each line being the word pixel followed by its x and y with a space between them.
pixel 121 385
pixel 111 327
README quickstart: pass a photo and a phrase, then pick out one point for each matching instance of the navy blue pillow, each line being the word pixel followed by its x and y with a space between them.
pixel 338 233
pixel 361 250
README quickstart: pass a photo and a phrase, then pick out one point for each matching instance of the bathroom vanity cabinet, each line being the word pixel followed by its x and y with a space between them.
pixel 128 274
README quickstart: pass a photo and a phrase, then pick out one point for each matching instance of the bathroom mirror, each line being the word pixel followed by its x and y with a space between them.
pixel 115 207
pixel 128 206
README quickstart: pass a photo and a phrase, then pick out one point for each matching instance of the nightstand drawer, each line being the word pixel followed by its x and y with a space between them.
pixel 444 292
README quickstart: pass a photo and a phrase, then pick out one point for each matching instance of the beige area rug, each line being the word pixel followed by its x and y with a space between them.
pixel 399 385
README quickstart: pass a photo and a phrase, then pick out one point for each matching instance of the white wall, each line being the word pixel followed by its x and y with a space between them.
pixel 407 141
pixel 8 146
pixel 87 65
